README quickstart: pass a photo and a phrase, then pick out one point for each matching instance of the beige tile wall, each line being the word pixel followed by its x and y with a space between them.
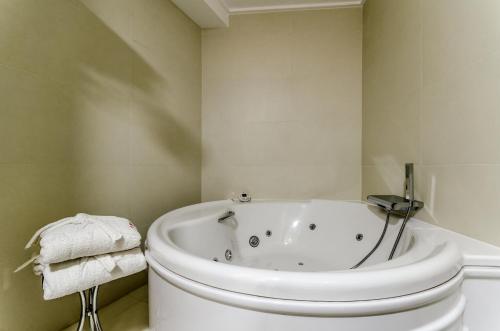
pixel 282 106
pixel 100 112
pixel 431 95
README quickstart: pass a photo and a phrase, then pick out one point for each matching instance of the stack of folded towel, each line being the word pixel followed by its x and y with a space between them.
pixel 84 251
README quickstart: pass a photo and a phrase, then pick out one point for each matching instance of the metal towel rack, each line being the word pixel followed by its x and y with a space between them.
pixel 88 301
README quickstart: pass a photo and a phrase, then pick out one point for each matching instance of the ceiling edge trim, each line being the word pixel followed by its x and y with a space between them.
pixel 278 8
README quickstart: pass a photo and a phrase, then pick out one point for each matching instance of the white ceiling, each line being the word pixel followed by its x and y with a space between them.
pixel 215 13
pixel 252 6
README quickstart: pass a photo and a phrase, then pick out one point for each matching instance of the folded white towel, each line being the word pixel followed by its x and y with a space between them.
pixel 69 277
pixel 84 235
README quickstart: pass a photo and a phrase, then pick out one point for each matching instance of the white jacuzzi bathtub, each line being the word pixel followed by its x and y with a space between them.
pixel 205 275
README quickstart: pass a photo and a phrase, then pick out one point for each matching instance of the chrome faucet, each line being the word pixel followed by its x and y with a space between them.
pixel 396 204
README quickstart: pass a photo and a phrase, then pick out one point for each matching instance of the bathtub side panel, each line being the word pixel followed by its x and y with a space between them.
pixel 172 308
pixel 482 290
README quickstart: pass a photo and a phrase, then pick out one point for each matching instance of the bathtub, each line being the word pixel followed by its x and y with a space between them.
pixel 285 265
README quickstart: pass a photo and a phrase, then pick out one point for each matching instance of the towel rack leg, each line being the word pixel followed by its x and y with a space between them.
pixel 83 303
pixel 95 317
pixel 88 301
pixel 89 310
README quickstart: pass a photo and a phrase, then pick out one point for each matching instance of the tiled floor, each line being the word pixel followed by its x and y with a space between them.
pixel 129 313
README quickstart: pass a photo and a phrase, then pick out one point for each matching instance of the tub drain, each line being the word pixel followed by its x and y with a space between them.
pixel 254 241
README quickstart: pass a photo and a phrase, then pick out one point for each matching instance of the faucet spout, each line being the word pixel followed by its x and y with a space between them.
pixel 226 215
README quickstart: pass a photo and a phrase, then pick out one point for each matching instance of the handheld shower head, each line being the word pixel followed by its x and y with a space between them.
pixel 409 186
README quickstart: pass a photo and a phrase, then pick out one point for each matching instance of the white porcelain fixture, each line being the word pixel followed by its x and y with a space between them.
pixel 285 265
